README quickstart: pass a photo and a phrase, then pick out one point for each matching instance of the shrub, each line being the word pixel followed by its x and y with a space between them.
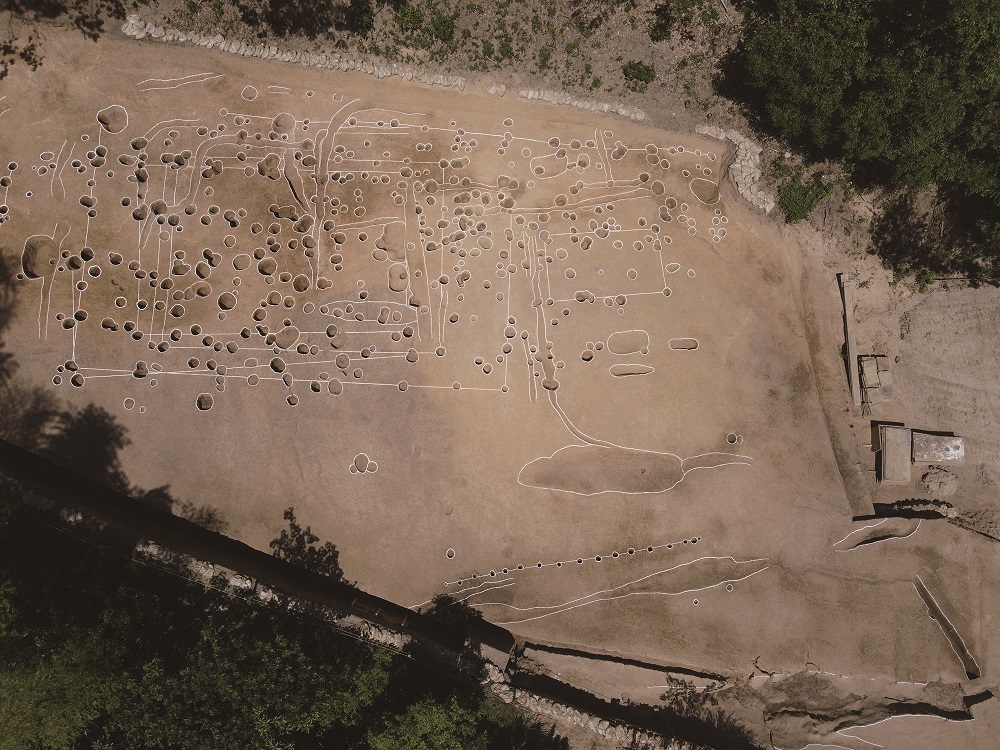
pixel 544 58
pixel 798 199
pixel 638 75
pixel 409 18
pixel 442 26
pixel 663 23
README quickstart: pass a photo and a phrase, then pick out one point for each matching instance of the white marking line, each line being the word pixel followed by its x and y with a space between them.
pixel 746 460
pixel 610 557
pixel 887 539
pixel 615 598
pixel 490 584
pixel 855 531
pixel 957 634
pixel 639 580
pixel 52 180
pixel 174 83
pixel 861 739
pixel 896 716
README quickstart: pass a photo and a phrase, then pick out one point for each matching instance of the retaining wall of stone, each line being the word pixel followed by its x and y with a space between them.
pixel 136 28
pixel 745 169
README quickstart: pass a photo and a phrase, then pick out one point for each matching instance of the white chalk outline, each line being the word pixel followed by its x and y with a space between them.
pixel 748 461
pixel 643 369
pixel 176 83
pixel 943 631
pixel 561 608
pixel 610 557
pixel 880 541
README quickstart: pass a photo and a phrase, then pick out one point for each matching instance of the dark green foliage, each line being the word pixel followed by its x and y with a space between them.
pixel 638 75
pixel 506 49
pixel 544 58
pixel 939 236
pixel 905 93
pixel 663 23
pixel 798 198
pixel 442 26
pixel 409 18
pixel 99 650
pixel 683 14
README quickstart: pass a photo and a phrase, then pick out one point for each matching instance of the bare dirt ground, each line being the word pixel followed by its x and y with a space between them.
pixel 583 388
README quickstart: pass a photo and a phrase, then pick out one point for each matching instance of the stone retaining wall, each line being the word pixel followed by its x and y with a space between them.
pixel 745 169
pixel 621 733
pixel 136 28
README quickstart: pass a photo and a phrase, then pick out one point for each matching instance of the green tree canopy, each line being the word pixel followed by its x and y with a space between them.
pixel 905 92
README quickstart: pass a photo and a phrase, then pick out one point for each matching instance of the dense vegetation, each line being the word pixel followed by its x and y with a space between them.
pixel 100 650
pixel 906 93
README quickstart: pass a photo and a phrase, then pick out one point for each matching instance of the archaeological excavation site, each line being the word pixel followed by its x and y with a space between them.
pixel 685 475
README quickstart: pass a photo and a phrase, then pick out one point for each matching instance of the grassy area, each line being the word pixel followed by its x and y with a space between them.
pixel 798 197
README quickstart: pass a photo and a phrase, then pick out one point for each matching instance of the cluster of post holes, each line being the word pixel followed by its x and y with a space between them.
pixel 5 182
pixel 630 552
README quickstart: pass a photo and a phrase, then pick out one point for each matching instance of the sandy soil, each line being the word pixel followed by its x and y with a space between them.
pixel 583 388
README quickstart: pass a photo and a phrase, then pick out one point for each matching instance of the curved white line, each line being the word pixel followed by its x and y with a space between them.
pixel 855 531
pixel 639 580
pixel 623 596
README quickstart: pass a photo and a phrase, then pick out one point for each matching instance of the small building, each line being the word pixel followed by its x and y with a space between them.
pixel 900 447
pixel 929 448
pixel 894 455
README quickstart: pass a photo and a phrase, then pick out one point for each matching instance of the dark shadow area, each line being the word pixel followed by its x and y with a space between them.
pixel 298 546
pixel 87 440
pixel 87 16
pixel 308 18
pixel 7 291
pixel 22 40
pixel 899 93
pixel 977 698
pixel 912 508
pixel 102 647
pixel 615 659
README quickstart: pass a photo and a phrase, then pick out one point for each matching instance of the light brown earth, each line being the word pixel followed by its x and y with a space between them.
pixel 685 514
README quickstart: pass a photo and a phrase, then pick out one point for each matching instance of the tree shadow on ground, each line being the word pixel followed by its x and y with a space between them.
pixel 945 240
pixel 22 40
pixel 306 17
pixel 87 440
pixel 87 16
